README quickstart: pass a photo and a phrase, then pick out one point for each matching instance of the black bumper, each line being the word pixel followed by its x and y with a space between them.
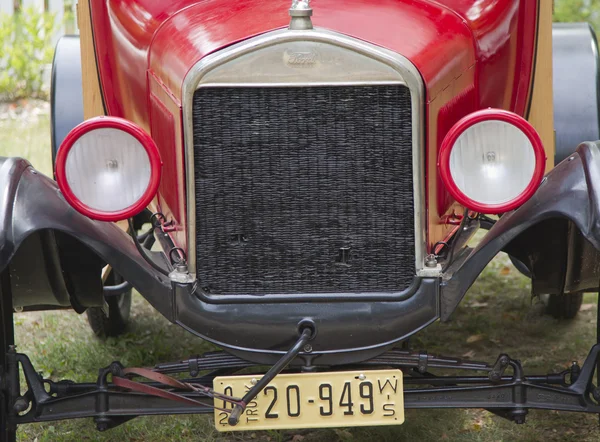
pixel 349 328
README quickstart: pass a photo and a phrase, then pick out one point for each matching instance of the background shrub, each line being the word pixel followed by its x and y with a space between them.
pixel 578 11
pixel 25 51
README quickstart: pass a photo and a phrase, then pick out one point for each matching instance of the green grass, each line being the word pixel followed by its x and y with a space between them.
pixel 27 138
pixel 496 316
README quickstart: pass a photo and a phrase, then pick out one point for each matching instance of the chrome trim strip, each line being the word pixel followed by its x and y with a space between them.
pixel 407 74
pixel 291 84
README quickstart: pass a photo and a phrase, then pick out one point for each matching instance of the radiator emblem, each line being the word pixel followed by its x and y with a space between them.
pixel 301 58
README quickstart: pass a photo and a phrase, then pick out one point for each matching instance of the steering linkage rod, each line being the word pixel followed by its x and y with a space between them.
pixel 237 411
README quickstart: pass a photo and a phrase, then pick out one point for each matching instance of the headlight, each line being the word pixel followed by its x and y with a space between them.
pixel 492 161
pixel 108 168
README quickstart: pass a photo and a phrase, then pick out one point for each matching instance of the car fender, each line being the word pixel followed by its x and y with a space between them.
pixel 569 192
pixel 31 202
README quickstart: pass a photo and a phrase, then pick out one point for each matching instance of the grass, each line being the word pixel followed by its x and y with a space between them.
pixel 27 138
pixel 496 316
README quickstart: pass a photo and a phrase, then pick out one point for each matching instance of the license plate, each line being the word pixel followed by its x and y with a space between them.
pixel 315 400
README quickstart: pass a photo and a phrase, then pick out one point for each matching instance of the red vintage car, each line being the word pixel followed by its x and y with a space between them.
pixel 312 176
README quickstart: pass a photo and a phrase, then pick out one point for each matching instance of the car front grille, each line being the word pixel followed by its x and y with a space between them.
pixel 303 190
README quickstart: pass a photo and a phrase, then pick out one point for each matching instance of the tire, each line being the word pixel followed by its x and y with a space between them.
pixel 66 91
pixel 7 432
pixel 564 306
pixel 119 308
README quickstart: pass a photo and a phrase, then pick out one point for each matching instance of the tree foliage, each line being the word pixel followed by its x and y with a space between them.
pixel 25 52
pixel 577 11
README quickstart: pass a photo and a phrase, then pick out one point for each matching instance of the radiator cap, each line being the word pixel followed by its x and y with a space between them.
pixel 300 12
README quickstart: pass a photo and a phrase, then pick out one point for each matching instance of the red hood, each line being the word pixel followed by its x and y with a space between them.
pixel 443 38
pixel 436 40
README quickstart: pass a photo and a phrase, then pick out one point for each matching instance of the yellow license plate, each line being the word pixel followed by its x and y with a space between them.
pixel 316 400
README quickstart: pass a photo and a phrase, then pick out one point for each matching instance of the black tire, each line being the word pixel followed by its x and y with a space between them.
pixel 119 308
pixel 7 432
pixel 66 91
pixel 564 306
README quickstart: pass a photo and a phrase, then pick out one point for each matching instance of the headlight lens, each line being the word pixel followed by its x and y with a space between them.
pixel 108 168
pixel 492 161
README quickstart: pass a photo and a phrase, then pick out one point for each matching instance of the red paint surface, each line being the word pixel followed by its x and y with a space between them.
pixel 162 124
pixel 504 35
pixel 448 115
pixel 478 117
pixel 113 123
pixel 486 43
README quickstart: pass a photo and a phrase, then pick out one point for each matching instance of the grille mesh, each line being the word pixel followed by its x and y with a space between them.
pixel 304 190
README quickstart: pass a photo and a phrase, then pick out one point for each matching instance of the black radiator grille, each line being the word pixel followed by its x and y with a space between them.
pixel 304 189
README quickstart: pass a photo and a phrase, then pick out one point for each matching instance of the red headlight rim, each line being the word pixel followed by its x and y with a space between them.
pixel 478 117
pixel 112 123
